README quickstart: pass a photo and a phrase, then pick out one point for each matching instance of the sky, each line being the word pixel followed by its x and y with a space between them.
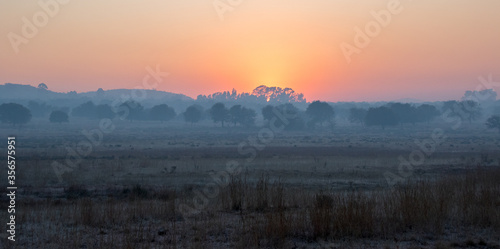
pixel 421 49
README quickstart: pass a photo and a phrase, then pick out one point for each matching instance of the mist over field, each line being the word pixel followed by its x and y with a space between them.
pixel 250 124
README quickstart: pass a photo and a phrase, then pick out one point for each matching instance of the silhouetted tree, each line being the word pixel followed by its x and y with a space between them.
pixel 277 94
pixel 289 117
pixel 357 115
pixel 267 112
pixel 426 113
pixel 486 95
pixel 13 113
pixel 43 86
pixel 465 110
pixel 381 116
pixel 219 113
pixel 473 110
pixel 100 92
pixel 193 114
pixel 406 113
pixel 72 94
pixel 320 112
pixel 493 122
pixel 235 114
pixel 135 110
pixel 58 117
pixel 247 117
pixel 162 113
pixel 105 111
pixel 287 110
pixel 242 115
pixel 85 110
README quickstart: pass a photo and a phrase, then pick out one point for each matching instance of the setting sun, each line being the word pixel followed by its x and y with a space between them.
pixel 284 43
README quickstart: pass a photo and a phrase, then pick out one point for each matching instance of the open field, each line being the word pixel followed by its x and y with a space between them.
pixel 139 186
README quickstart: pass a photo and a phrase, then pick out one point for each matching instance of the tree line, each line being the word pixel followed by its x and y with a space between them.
pixel 237 115
pixel 393 114
pixel 318 114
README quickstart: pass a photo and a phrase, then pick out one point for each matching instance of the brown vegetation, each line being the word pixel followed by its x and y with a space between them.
pixel 266 214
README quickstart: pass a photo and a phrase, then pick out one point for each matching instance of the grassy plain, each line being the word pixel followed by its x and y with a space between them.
pixel 308 189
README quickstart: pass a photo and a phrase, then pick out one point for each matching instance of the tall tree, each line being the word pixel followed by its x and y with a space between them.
pixel 219 113
pixel 235 114
pixel 486 95
pixel 381 116
pixel 320 112
pixel 100 92
pixel 135 110
pixel 267 112
pixel 493 122
pixel 42 86
pixel 473 110
pixel 406 113
pixel 85 110
pixel 466 110
pixel 162 112
pixel 426 113
pixel 294 121
pixel 247 117
pixel 285 115
pixel 14 114
pixel 193 114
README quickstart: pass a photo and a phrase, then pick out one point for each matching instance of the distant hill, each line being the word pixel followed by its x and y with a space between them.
pixel 10 92
pixel 148 94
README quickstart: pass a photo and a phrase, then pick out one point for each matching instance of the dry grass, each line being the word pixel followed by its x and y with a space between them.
pixel 331 194
pixel 263 214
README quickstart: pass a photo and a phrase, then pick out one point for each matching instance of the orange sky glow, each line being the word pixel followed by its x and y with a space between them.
pixel 430 50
